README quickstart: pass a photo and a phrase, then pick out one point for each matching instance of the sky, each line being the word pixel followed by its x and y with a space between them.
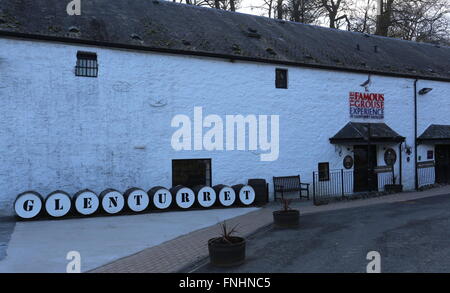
pixel 249 6
pixel 246 7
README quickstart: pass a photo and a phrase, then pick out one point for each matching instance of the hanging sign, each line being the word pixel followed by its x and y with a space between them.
pixel 390 157
pixel 366 105
pixel 348 162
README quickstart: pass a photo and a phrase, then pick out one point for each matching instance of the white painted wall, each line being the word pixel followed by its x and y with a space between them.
pixel 59 131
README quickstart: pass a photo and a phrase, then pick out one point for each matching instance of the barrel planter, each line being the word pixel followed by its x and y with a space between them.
pixel 112 201
pixel 245 193
pixel 160 197
pixel 86 202
pixel 261 191
pixel 286 219
pixel 225 254
pixel 184 196
pixel 28 205
pixel 206 196
pixel 137 200
pixel 225 194
pixel 58 204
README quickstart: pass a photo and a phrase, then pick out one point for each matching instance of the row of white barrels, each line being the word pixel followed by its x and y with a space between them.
pixel 30 204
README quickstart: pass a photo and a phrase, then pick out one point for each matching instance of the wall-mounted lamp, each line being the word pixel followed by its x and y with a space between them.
pixel 408 150
pixel 425 91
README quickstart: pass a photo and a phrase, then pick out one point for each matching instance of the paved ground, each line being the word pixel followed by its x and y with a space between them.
pixel 186 252
pixel 42 246
pixel 411 236
pixel 6 229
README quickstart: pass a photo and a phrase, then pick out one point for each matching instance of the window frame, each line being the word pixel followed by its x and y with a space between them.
pixel 320 173
pixel 281 84
pixel 87 64
pixel 208 173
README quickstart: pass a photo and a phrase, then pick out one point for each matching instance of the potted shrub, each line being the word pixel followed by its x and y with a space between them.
pixel 287 217
pixel 227 250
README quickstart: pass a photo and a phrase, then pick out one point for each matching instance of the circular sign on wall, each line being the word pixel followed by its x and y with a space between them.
pixel 58 204
pixel 206 196
pixel 184 196
pixel 161 197
pixel 226 195
pixel 28 205
pixel 137 199
pixel 86 202
pixel 246 193
pixel 112 201
pixel 390 157
pixel 348 162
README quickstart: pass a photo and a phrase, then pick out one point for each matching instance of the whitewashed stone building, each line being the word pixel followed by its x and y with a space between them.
pixel 91 101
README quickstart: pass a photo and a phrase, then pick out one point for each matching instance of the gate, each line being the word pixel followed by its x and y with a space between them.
pixel 340 184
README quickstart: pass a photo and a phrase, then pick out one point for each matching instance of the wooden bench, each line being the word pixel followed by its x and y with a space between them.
pixel 289 184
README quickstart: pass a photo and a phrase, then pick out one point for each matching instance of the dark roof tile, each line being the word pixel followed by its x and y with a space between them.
pixel 167 26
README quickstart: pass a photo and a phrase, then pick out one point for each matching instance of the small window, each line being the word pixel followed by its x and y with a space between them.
pixel 191 173
pixel 324 171
pixel 86 64
pixel 281 78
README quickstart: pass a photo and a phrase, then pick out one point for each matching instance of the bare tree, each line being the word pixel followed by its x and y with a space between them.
pixel 422 21
pixel 362 17
pixel 280 9
pixel 231 5
pixel 417 20
pixel 305 11
pixel 335 11
pixel 384 17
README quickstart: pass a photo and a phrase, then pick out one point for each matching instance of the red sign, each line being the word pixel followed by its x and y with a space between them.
pixel 366 105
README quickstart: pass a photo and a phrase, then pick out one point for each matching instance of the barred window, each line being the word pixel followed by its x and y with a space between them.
pixel 86 64
pixel 281 78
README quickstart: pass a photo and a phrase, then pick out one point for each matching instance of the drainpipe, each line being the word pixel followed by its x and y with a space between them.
pixel 416 182
pixel 400 164
pixel 369 162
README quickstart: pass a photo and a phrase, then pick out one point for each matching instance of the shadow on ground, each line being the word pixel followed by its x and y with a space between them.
pixel 7 225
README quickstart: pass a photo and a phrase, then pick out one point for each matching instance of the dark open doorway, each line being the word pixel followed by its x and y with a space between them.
pixel 442 164
pixel 364 178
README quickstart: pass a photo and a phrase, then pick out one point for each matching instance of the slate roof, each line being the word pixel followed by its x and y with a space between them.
pixel 435 133
pixel 355 132
pixel 177 28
